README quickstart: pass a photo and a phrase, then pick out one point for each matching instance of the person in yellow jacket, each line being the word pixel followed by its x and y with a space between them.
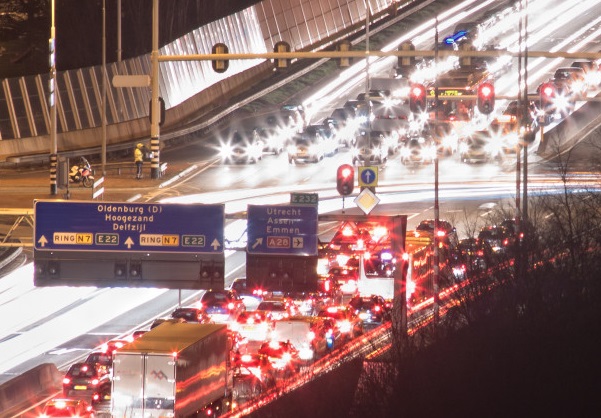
pixel 139 160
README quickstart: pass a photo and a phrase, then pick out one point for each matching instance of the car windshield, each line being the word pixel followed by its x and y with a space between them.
pixel 82 370
pixel 214 297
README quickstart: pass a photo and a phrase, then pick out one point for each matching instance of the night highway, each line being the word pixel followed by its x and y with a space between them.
pixel 61 325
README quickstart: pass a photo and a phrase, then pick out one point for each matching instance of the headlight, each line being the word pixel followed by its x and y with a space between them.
pixel 405 152
pixel 225 151
pixel 429 153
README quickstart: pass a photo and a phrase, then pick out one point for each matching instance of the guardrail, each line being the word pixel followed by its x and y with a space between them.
pixel 21 215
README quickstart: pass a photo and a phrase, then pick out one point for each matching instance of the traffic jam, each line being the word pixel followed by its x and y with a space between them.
pixel 271 338
pixel 416 116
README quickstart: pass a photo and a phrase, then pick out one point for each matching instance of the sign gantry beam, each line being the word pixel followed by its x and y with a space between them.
pixel 363 54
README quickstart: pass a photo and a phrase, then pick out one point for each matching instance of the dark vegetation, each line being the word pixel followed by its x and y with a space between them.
pixel 520 341
pixel 25 30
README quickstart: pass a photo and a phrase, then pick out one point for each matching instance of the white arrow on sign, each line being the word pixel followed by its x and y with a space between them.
pixel 257 242
pixel 129 242
pixel 42 241
pixel 215 244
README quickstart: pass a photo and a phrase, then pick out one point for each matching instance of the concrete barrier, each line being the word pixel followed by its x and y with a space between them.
pixel 29 388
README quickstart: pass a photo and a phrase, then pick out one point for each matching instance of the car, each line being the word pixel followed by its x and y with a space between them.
pixel 275 310
pixel 274 141
pixel 100 357
pixel 252 326
pixel 592 73
pixel 447 233
pixel 498 237
pixel 138 333
pixel 571 82
pixel 361 110
pixel 308 334
pixel 250 297
pixel 372 310
pixel 67 408
pixel 374 95
pixel 112 345
pixel 191 314
pixel 283 356
pixel 348 322
pixel 85 379
pixel 299 111
pixel 222 306
pixel 525 233
pixel 346 125
pixel 345 278
pixel 160 321
pixel 342 115
pixel 371 148
pixel 476 148
pixel 308 146
pixel 470 255
pixel 253 374
pixel 243 146
pixel 418 150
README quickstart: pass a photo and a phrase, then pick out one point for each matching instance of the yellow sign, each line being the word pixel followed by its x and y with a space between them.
pixel 72 238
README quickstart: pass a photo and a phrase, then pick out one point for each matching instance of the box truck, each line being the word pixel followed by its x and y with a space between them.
pixel 175 370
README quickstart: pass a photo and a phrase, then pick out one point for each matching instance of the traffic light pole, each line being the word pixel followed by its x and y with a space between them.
pixel 436 270
pixel 155 104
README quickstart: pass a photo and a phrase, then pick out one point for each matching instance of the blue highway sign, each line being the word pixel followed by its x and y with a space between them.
pixel 290 230
pixel 128 227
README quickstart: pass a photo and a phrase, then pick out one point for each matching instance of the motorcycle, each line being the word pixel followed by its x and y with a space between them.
pixel 82 173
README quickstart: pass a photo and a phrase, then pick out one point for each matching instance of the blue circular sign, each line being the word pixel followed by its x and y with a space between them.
pixel 368 176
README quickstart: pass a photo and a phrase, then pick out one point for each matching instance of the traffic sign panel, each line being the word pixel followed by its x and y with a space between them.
pixel 129 227
pixel 290 230
pixel 368 176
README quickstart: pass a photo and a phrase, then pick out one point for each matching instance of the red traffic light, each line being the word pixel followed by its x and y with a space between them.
pixel 547 95
pixel 345 179
pixel 486 98
pixel 417 98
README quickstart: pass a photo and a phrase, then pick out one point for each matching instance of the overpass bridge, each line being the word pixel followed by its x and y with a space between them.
pixel 193 93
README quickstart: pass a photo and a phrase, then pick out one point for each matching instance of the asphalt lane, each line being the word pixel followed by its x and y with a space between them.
pixel 19 188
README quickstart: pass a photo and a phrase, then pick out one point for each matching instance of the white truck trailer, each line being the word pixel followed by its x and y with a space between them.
pixel 175 370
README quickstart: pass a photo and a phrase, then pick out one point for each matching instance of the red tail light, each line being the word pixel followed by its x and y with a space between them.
pixel 66 381
pixel 311 336
pixel 231 306
pixel 96 397
pixel 95 382
pixel 377 308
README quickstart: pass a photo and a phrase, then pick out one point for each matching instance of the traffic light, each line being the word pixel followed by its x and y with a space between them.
pixel 220 66
pixel 281 63
pixel 486 98
pixel 345 179
pixel 547 97
pixel 344 46
pixel 417 98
